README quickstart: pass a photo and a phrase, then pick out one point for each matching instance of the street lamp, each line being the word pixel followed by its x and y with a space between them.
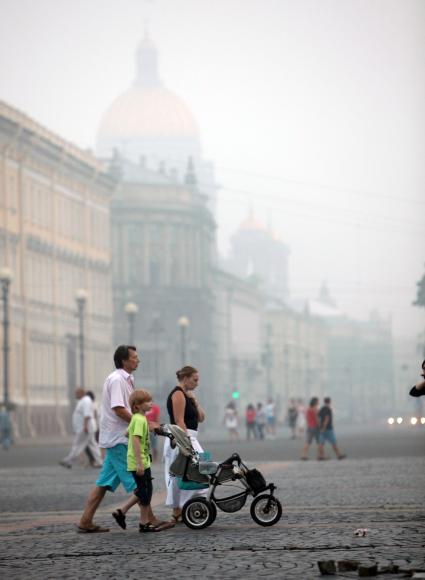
pixel 81 296
pixel 131 309
pixel 183 323
pixel 5 279
pixel 156 329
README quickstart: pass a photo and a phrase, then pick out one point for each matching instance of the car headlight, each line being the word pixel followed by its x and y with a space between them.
pixel 423 420
pixel 390 420
pixel 413 420
pixel 399 420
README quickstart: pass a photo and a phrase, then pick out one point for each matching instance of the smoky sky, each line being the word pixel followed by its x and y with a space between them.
pixel 311 110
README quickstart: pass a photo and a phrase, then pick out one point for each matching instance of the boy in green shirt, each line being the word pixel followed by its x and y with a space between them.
pixel 139 459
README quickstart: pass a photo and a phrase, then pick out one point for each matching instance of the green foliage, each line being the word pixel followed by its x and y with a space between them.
pixel 420 293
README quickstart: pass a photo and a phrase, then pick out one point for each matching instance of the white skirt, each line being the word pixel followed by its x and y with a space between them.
pixel 176 497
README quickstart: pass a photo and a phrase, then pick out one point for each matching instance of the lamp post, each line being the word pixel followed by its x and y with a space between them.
pixel 81 299
pixel 183 323
pixel 131 309
pixel 5 279
pixel 156 329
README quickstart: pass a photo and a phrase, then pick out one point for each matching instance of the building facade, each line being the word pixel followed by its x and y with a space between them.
pixel 163 244
pixel 54 237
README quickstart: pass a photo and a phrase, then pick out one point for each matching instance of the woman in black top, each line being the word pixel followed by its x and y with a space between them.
pixel 185 411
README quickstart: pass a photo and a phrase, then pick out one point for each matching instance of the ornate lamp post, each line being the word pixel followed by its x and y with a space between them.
pixel 81 296
pixel 131 309
pixel 5 279
pixel 183 323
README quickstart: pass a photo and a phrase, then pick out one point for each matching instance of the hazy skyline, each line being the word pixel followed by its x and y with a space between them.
pixel 312 111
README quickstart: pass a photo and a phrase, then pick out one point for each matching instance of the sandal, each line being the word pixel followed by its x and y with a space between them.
pixel 149 527
pixel 177 519
pixel 119 517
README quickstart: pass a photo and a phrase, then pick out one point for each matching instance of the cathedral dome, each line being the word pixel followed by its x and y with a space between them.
pixel 148 120
pixel 147 111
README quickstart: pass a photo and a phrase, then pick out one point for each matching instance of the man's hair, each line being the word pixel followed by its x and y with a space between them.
pixel 122 354
pixel 138 397
pixel 327 400
pixel 313 401
pixel 423 365
pixel 185 372
pixel 91 395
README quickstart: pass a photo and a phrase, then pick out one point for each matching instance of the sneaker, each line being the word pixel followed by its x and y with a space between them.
pixel 65 464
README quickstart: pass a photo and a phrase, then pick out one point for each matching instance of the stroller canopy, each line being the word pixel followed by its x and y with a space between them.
pixel 182 439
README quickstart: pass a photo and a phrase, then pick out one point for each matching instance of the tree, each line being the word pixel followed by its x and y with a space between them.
pixel 420 293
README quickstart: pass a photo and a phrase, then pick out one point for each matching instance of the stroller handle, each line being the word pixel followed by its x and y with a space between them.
pixel 234 457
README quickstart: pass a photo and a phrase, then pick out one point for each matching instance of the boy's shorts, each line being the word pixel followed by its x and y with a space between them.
pixel 327 435
pixel 114 470
pixel 144 486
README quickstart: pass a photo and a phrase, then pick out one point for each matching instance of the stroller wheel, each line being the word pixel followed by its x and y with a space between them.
pixel 198 513
pixel 266 510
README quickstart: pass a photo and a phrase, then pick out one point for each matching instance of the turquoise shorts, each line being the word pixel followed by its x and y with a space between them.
pixel 114 470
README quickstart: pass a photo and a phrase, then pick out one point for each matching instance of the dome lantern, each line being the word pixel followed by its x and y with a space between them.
pixel 147 64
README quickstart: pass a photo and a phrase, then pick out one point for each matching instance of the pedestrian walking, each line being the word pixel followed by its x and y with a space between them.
pixel 91 458
pixel 271 418
pixel 139 460
pixel 5 427
pixel 301 420
pixel 418 390
pixel 260 420
pixel 292 418
pixel 312 433
pixel 250 415
pixel 327 431
pixel 115 417
pixel 154 416
pixel 185 411
pixel 231 421
pixel 83 427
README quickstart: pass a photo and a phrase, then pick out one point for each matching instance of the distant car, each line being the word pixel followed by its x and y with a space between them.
pixel 406 420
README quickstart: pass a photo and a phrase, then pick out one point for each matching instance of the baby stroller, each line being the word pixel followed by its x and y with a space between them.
pixel 195 471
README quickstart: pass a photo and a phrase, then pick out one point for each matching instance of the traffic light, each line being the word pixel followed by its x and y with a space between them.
pixel 235 394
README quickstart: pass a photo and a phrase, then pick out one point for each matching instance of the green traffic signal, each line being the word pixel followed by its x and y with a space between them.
pixel 235 395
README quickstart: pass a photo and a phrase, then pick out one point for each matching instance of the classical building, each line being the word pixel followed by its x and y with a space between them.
pixel 297 345
pixel 54 237
pixel 360 376
pixel 256 252
pixel 163 244
pixel 238 328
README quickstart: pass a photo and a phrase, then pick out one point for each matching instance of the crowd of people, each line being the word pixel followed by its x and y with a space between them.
pixel 260 421
pixel 122 445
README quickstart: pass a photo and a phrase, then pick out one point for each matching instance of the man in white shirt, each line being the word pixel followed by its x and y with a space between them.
pixel 115 417
pixel 84 429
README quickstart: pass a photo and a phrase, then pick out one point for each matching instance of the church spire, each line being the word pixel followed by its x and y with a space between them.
pixel 147 63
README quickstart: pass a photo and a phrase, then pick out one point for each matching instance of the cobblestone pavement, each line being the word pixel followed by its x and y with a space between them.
pixel 323 503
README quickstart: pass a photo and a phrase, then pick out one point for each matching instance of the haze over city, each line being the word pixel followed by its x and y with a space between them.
pixel 312 113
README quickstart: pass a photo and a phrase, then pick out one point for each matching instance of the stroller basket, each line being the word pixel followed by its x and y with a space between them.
pixel 232 503
pixel 255 480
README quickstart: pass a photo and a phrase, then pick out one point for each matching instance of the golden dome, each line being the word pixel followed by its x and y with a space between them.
pixel 148 111
pixel 252 223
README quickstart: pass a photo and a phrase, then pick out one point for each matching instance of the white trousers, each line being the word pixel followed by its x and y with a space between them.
pixel 80 442
pixel 176 497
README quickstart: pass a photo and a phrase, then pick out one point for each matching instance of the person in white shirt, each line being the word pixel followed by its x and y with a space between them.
pixel 83 425
pixel 115 416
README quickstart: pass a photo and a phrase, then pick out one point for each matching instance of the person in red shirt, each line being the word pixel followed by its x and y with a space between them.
pixel 154 415
pixel 250 416
pixel 312 432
